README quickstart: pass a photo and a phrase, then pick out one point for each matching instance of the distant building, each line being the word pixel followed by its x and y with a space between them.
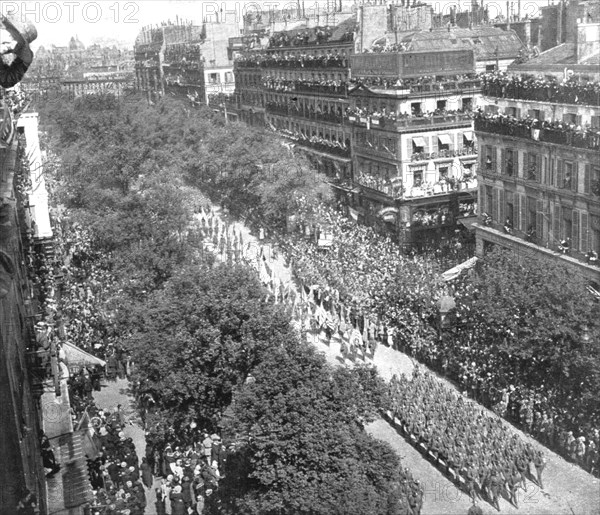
pixel 218 61
pixel 168 59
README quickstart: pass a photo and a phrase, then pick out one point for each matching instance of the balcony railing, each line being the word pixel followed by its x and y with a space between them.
pixel 549 133
pixel 441 188
pixel 408 121
pixel 445 86
pixel 385 186
pixel 308 61
pixel 297 86
pixel 540 90
pixel 288 110
pixel 442 154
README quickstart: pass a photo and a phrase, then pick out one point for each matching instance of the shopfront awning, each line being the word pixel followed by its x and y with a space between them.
pixel 419 142
pixel 76 357
pixel 468 221
pixel 445 139
pixel 453 273
pixel 468 135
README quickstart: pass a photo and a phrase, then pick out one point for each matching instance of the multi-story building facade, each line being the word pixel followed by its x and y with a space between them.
pixel 297 86
pixel 397 144
pixel 218 61
pixel 540 156
pixel 168 59
pixel 413 150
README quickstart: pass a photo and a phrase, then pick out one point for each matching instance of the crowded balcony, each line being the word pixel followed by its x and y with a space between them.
pixel 373 118
pixel 308 37
pixel 303 61
pixel 315 142
pixel 218 100
pixel 425 84
pixel 442 187
pixel 434 217
pixel 390 187
pixel 310 113
pixel 467 150
pixel 572 91
pixel 336 87
pixel 556 132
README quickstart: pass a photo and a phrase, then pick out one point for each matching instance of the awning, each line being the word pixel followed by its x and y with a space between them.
pixel 445 139
pixel 75 356
pixel 419 142
pixel 468 135
pixel 453 273
pixel 468 221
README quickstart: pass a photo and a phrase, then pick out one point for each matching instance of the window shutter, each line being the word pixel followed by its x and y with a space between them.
pixel 523 213
pixel 494 204
pixel 556 224
pixel 501 206
pixel 516 202
pixel 531 113
pixel 436 143
pixel 539 220
pixel 542 115
pixel 494 159
pixel 524 171
pixel 587 179
pixel 517 112
pixel 409 147
pixel 585 243
pixel 578 119
pixel 538 165
pixel 575 178
pixel 560 175
pixel 502 158
pixel 575 235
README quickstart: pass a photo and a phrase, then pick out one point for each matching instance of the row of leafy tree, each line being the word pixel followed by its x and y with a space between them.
pixel 202 336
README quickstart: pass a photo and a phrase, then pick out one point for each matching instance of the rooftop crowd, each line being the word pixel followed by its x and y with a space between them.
pixel 424 83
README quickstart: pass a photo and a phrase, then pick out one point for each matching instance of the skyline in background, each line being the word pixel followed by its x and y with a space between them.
pixel 121 20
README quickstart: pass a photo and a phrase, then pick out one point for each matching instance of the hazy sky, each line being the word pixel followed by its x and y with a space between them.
pixel 57 21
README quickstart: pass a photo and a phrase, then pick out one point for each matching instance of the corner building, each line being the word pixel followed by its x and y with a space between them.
pixel 540 156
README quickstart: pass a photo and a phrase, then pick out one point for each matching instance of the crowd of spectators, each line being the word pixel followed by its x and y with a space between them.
pixel 420 84
pixel 317 142
pixel 299 85
pixel 385 47
pixel 190 468
pixel 329 60
pixel 359 269
pixel 382 116
pixel 541 89
pixel 552 131
pixel 316 36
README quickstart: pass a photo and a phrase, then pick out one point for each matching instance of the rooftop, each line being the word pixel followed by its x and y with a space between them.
pixel 483 40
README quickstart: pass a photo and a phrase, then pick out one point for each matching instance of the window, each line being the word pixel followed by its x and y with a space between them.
pixel 513 111
pixel 213 78
pixel 445 142
pixel 531 163
pixel 489 199
pixel 415 108
pixel 536 114
pixel 443 172
pixel 568 176
pixel 417 178
pixel 570 118
pixel 509 163
pixel 441 105
pixel 491 109
pixel 490 67
pixel 595 122
pixel 418 145
pixel 467 104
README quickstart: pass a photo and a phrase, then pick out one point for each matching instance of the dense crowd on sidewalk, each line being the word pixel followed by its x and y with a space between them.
pixel 190 469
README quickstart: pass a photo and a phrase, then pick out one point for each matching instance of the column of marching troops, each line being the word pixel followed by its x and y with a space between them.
pixel 475 450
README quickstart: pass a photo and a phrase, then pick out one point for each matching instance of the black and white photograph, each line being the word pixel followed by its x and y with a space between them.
pixel 302 257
